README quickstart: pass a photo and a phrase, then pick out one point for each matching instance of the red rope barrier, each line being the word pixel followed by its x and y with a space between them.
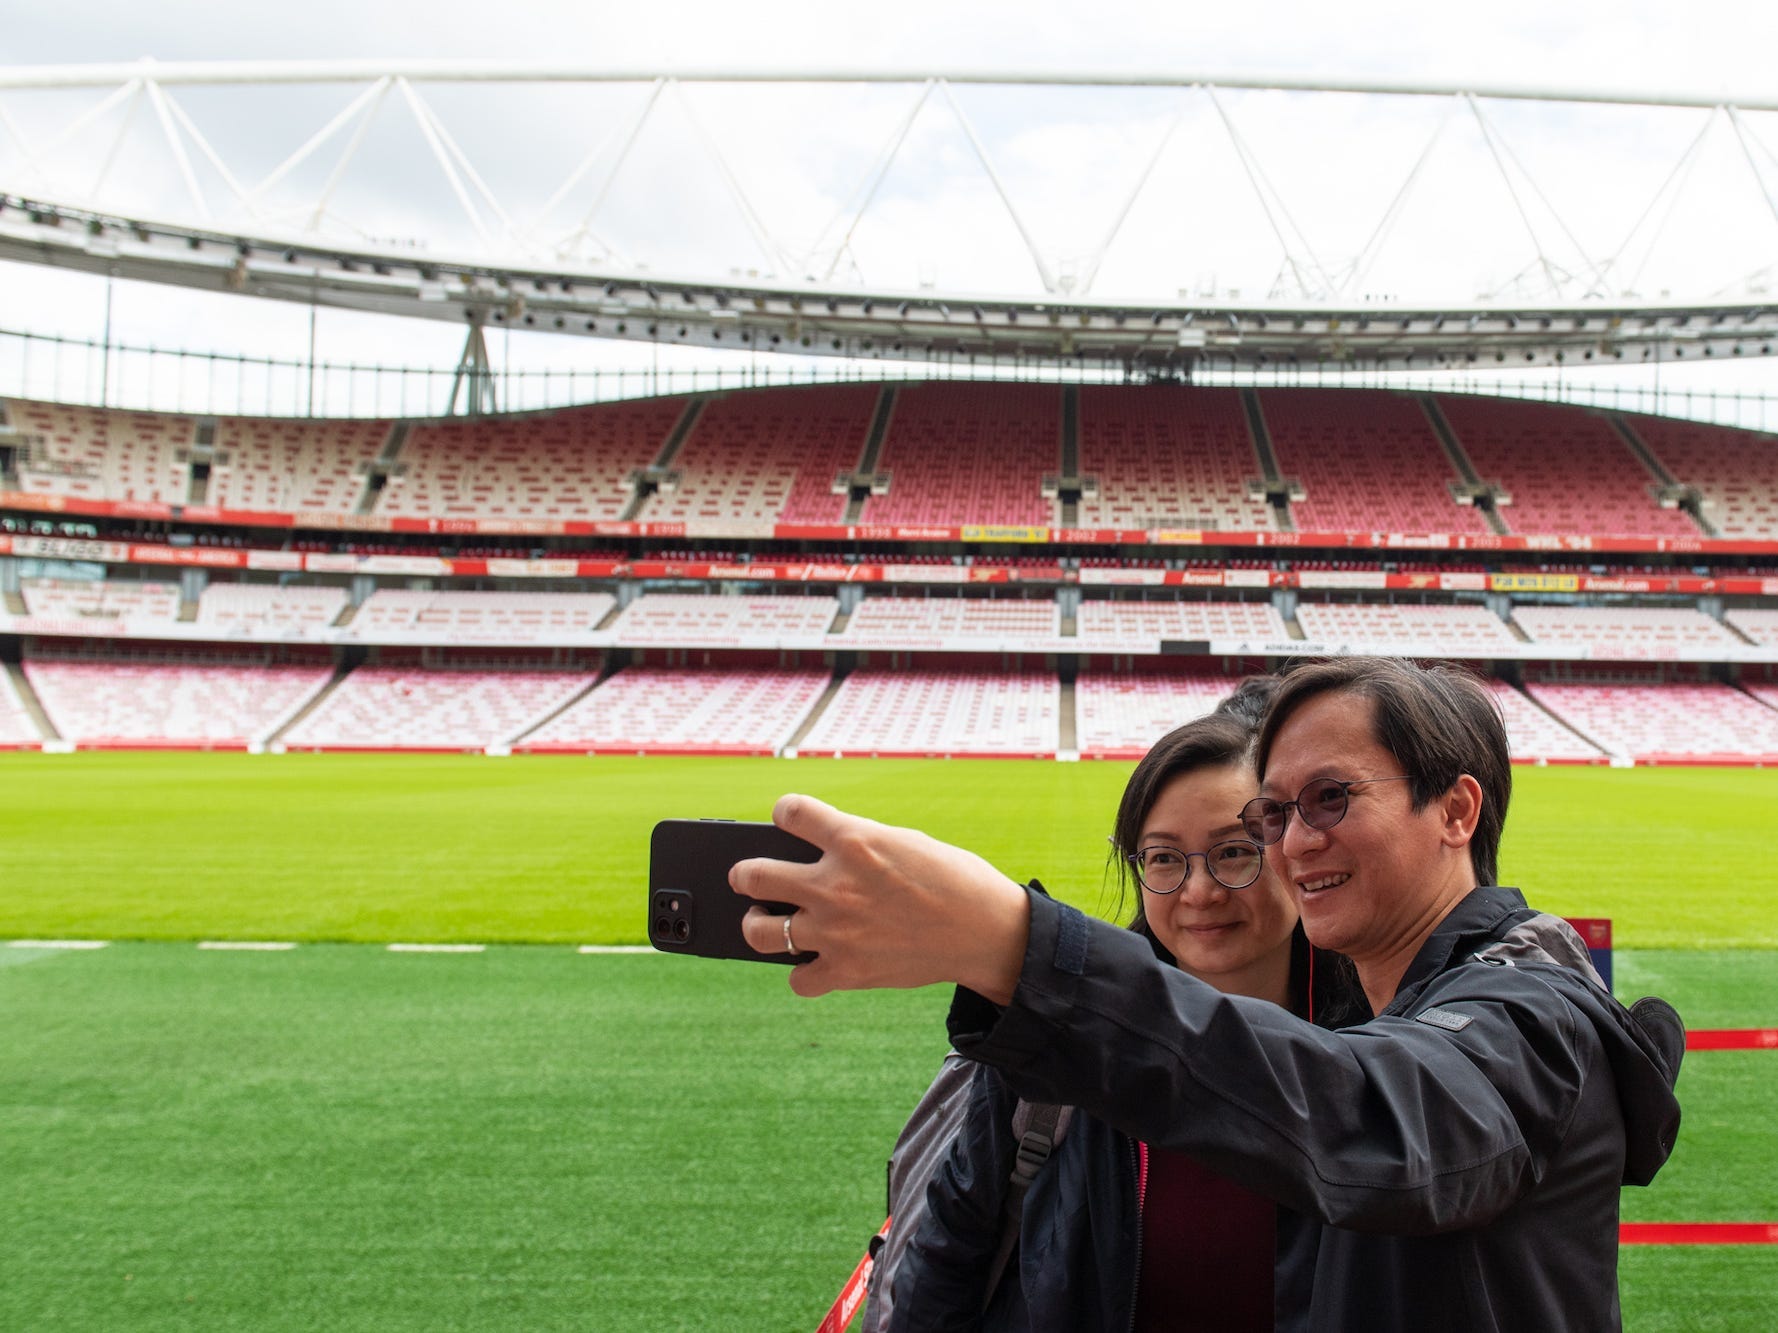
pixel 1732 1039
pixel 1698 1233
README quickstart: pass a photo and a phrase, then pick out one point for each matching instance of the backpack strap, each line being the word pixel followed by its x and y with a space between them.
pixel 1040 1127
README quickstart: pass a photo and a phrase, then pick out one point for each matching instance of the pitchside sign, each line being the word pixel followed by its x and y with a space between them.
pixel 1596 931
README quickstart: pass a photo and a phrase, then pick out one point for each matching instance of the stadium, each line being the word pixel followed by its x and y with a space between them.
pixel 335 736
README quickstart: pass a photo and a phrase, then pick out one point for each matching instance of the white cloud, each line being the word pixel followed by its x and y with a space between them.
pixel 1068 159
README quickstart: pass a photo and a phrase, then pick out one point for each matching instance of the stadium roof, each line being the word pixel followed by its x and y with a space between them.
pixel 222 224
pixel 896 325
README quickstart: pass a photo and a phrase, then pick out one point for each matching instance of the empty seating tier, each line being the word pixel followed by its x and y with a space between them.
pixel 1119 716
pixel 572 464
pixel 264 608
pixel 1667 723
pixel 969 454
pixel 101 604
pixel 394 614
pixel 1566 469
pixel 1444 631
pixel 1628 633
pixel 956 623
pixel 282 466
pixel 93 454
pixel 1533 736
pixel 1760 625
pixel 662 710
pixel 16 725
pixel 130 704
pixel 1736 471
pixel 1765 692
pixel 938 714
pixel 1168 457
pixel 713 620
pixel 1367 460
pixel 1104 626
pixel 409 708
pixel 767 456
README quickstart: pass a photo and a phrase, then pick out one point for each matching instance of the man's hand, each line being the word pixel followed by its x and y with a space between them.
pixel 885 907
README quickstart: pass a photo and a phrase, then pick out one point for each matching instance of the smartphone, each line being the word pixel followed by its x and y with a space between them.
pixel 691 908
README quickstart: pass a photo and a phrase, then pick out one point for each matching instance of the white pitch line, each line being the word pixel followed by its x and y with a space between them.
pixel 248 946
pixel 616 948
pixel 437 948
pixel 57 944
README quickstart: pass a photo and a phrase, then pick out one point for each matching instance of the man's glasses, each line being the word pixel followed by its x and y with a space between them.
pixel 1322 804
pixel 1233 864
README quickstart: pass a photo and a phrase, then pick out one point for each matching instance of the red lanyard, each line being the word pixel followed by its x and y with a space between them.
pixel 851 1296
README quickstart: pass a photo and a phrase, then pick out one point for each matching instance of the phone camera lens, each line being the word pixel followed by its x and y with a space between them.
pixel 662 927
pixel 682 930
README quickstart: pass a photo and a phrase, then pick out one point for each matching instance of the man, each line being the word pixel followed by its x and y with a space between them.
pixel 1455 1161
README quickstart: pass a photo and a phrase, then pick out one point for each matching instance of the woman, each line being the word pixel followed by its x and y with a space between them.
pixel 1113 1235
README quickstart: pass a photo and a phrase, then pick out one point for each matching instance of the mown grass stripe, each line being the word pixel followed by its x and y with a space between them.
pixel 57 944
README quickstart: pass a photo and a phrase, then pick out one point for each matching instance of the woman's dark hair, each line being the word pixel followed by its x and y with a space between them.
pixel 1323 985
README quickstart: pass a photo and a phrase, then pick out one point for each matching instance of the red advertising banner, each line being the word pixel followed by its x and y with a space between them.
pixel 334 520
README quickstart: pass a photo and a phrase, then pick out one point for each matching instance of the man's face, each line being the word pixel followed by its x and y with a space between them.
pixel 1364 886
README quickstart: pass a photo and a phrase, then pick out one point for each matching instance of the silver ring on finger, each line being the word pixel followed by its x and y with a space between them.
pixel 789 944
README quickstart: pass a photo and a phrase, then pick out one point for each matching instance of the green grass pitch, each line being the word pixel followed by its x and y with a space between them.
pixel 554 848
pixel 340 1137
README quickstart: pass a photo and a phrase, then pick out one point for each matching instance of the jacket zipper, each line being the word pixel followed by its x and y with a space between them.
pixel 1141 1202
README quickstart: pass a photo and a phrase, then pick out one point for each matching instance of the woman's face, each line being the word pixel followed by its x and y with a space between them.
pixel 1237 940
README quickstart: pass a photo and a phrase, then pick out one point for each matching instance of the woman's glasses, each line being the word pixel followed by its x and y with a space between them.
pixel 1233 864
pixel 1322 804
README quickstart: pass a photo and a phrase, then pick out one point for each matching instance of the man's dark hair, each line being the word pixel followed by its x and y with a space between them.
pixel 1439 722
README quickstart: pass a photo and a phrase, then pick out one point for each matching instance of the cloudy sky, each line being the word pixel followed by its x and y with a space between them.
pixel 1250 193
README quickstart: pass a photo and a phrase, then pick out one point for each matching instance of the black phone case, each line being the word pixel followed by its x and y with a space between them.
pixel 691 908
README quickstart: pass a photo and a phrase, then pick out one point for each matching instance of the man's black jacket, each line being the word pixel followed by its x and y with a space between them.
pixel 1455 1162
